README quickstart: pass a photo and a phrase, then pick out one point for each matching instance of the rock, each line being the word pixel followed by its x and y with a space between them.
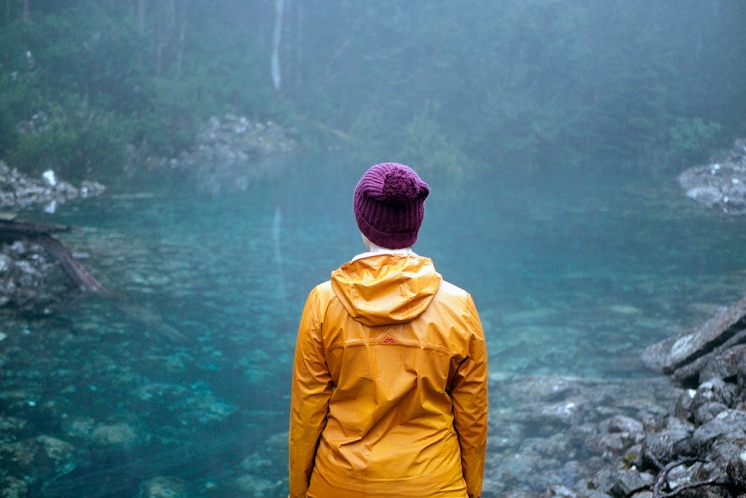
pixel 232 153
pixel 707 195
pixel 711 357
pixel 682 408
pixel 726 365
pixel 163 487
pixel 634 456
pixel 24 271
pixel 235 140
pixel 564 413
pixel 12 487
pixel 37 458
pixel 559 491
pixel 256 486
pixel 727 425
pixel 620 423
pixel 630 481
pixel 25 266
pixel 90 189
pixel 78 427
pixel 711 398
pixel 546 388
pixel 18 190
pixel 658 446
pixel 720 185
pixel 611 445
pixel 736 469
pixel 708 411
pixel 686 354
pixel 116 433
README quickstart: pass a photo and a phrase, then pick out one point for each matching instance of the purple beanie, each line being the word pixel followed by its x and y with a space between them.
pixel 389 205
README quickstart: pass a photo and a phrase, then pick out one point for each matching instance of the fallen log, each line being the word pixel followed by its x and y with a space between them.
pixel 70 265
pixel 10 229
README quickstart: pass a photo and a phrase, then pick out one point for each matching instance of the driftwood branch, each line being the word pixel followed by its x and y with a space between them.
pixel 40 233
pixel 70 265
pixel 12 228
pixel 74 269
pixel 663 478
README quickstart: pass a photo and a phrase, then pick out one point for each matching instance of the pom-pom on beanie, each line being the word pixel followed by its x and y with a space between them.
pixel 389 204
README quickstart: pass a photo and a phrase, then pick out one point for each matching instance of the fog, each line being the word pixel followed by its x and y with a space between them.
pixel 229 136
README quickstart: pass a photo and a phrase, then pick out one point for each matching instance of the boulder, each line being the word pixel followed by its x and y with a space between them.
pixel 714 347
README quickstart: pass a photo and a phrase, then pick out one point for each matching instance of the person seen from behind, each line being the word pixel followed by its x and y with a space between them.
pixel 389 392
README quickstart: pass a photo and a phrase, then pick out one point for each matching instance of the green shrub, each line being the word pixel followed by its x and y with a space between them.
pixel 20 100
pixel 426 149
pixel 691 141
pixel 76 140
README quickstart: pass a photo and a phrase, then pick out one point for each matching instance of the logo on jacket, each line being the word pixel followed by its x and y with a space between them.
pixel 389 340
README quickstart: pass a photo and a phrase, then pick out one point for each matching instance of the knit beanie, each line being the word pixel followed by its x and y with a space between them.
pixel 389 205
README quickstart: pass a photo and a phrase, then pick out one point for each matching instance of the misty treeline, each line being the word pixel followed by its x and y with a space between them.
pixel 452 86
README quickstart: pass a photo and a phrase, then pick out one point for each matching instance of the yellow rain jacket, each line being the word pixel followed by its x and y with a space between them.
pixel 389 393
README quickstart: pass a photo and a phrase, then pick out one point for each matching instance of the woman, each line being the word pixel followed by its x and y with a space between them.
pixel 389 394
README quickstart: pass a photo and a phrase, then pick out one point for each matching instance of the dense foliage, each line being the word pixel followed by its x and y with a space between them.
pixel 453 86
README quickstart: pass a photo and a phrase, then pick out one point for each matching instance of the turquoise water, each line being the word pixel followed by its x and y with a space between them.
pixel 572 276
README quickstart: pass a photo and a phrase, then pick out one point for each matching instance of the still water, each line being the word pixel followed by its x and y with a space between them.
pixel 573 276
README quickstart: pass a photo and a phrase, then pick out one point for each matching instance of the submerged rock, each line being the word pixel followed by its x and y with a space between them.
pixel 37 459
pixel 12 487
pixel 163 487
pixel 115 433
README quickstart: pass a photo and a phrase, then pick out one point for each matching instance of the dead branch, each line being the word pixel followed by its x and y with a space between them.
pixel 663 478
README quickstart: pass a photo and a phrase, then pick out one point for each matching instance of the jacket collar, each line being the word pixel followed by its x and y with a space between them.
pixel 375 251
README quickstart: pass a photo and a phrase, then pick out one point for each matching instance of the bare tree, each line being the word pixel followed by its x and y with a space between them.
pixel 141 14
pixel 276 36
pixel 182 37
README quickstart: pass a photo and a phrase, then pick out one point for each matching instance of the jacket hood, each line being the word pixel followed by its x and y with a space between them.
pixel 385 289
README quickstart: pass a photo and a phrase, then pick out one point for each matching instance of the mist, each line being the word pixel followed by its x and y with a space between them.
pixel 195 162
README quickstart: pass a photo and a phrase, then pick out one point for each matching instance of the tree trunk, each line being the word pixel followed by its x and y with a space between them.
pixel 39 232
pixel 71 266
pixel 298 45
pixel 276 37
pixel 141 15
pixel 182 37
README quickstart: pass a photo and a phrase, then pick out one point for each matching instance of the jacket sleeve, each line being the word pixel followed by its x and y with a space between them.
pixel 311 389
pixel 470 405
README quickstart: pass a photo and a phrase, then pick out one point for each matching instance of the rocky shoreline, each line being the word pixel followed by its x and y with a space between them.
pixel 25 266
pixel 690 440
pixel 18 191
pixel 719 185
pixel 230 154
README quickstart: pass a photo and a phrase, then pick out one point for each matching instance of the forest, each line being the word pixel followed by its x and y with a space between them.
pixel 458 87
